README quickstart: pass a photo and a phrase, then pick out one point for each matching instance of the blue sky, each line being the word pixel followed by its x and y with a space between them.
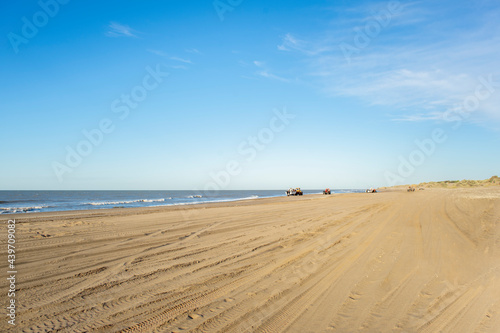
pixel 248 94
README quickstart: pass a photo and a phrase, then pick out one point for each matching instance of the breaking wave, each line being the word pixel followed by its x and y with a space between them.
pixel 106 203
pixel 13 210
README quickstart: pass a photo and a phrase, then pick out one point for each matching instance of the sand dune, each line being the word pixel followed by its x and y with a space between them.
pixel 425 261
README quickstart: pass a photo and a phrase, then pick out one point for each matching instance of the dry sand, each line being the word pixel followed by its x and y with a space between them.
pixel 424 261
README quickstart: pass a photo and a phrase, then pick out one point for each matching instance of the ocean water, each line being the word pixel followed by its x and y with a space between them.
pixel 16 202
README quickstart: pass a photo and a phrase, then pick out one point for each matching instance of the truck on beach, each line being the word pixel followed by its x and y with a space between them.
pixel 294 191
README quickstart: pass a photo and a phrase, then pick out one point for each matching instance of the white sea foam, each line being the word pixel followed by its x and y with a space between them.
pixel 12 210
pixel 106 203
pixel 212 201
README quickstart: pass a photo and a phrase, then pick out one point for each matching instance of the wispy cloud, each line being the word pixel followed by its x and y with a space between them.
pixel 419 83
pixel 173 58
pixel 158 53
pixel 292 43
pixel 264 71
pixel 419 72
pixel 186 61
pixel 268 75
pixel 193 50
pixel 419 117
pixel 120 30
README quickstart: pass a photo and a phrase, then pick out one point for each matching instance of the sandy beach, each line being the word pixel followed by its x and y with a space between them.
pixel 423 261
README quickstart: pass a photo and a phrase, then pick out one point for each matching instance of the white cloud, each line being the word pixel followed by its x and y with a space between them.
pixel 292 43
pixel 420 117
pixel 173 58
pixel 193 50
pixel 268 75
pixel 186 61
pixel 120 30
pixel 419 72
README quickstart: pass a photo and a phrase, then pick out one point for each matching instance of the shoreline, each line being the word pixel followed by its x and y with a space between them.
pixel 46 206
pixel 124 211
pixel 121 211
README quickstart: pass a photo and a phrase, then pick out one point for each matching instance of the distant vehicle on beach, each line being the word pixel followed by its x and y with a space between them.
pixel 411 189
pixel 371 190
pixel 327 191
pixel 294 191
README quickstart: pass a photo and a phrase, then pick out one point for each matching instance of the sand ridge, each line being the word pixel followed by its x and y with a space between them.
pixel 426 261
